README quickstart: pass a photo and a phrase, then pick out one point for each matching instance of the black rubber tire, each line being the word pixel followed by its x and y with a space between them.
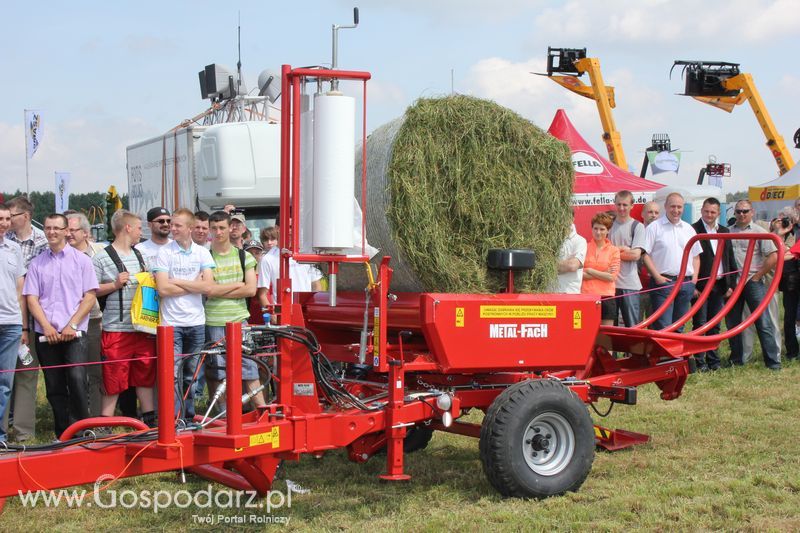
pixel 417 438
pixel 503 440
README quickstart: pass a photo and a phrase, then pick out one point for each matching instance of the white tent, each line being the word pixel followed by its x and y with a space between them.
pixel 768 198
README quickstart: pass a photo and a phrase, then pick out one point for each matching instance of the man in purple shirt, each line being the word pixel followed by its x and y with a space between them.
pixel 60 289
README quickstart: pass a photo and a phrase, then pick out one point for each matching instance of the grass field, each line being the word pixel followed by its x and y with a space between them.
pixel 725 455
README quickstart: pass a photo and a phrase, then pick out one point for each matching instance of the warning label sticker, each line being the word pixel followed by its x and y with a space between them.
pixel 577 320
pixel 459 317
pixel 272 437
pixel 518 311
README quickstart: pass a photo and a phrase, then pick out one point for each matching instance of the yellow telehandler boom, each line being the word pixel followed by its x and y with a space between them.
pixel 572 63
pixel 723 86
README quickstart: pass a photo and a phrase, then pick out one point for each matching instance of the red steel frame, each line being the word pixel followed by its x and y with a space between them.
pixel 244 451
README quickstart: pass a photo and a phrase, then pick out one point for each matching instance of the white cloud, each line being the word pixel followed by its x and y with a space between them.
pixel 512 85
pixel 382 92
pixel 781 17
pixel 93 150
pixel 675 21
pixel 448 11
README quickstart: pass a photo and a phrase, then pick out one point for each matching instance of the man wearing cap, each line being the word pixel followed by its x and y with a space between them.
pixel 238 228
pixel 159 220
pixel 255 249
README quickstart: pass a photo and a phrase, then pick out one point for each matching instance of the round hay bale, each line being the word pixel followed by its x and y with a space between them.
pixel 454 177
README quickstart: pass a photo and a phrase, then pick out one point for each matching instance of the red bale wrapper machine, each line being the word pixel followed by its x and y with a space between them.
pixel 374 370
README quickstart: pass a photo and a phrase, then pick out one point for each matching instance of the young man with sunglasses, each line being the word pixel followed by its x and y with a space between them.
pixel 764 260
pixel 159 221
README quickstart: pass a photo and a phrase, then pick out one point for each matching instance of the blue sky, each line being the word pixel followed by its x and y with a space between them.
pixel 109 74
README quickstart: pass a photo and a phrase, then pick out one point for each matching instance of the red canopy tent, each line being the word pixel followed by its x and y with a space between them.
pixel 596 178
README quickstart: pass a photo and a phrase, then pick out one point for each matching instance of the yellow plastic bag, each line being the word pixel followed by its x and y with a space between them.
pixel 144 307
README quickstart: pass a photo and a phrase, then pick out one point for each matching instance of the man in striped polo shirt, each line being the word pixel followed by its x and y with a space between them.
pixel 129 354
pixel 235 278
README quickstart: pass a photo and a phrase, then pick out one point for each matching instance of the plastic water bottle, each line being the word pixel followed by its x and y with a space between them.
pixel 24 354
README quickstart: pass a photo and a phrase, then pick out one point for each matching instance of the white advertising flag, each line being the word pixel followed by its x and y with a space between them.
pixel 62 191
pixel 33 131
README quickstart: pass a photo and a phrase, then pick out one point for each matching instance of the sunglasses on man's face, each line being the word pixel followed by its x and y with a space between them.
pixel 163 221
pixel 742 211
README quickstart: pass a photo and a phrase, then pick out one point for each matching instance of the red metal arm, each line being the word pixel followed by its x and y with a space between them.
pixel 739 286
pixel 743 279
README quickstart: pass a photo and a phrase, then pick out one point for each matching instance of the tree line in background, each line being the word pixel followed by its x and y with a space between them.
pixel 92 204
pixel 89 203
pixel 736 196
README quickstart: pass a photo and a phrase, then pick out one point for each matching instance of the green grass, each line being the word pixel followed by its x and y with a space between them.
pixel 722 456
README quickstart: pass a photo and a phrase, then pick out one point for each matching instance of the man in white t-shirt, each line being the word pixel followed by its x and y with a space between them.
pixel 570 262
pixel 159 220
pixel 305 278
pixel 665 241
pixel 183 274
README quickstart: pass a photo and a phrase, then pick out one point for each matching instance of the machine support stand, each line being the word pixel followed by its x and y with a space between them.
pixel 233 400
pixel 395 429
pixel 166 385
pixel 618 439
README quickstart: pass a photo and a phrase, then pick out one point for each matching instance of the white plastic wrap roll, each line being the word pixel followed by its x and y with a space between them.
pixel 334 162
pixel 306 173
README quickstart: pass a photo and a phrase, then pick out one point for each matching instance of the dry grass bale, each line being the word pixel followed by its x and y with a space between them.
pixel 457 176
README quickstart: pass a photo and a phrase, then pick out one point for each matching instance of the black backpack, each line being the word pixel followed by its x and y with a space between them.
pixel 241 262
pixel 112 253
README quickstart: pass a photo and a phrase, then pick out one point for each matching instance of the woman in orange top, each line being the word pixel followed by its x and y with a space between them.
pixel 601 267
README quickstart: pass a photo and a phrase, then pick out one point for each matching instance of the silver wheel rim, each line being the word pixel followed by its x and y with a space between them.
pixel 548 444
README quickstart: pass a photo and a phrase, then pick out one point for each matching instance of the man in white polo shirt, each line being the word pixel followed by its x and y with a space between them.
pixel 183 273
pixel 305 277
pixel 665 241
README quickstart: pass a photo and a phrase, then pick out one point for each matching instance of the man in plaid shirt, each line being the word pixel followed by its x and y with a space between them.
pixel 30 239
pixel 32 242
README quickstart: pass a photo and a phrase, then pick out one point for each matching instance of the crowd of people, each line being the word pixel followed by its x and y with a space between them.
pixel 624 256
pixel 68 300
